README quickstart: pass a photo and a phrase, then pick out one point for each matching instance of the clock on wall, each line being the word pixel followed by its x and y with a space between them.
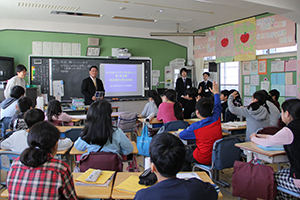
pixel 93 51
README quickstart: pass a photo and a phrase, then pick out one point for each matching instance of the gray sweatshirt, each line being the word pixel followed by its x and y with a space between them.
pixel 255 118
pixel 274 113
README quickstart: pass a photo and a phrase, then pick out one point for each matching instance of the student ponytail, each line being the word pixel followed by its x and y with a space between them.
pixel 293 107
pixel 42 138
pixel 171 96
pixel 261 101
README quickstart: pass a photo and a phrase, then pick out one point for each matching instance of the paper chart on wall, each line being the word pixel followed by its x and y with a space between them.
pixel 254 80
pixel 247 90
pixel 291 90
pixel 262 66
pixel 277 66
pixel 67 49
pixel 37 48
pixel 246 79
pixel 265 85
pixel 280 88
pixel 47 48
pixel 76 49
pixel 254 67
pixel 246 68
pixel 288 78
pixel 278 78
pixel 247 101
pixel 56 48
pixel 291 65
pixel 252 89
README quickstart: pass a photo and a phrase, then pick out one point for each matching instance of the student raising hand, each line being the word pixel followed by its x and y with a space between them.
pixel 215 89
pixel 235 94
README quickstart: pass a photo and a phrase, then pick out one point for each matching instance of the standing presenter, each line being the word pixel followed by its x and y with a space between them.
pixel 90 85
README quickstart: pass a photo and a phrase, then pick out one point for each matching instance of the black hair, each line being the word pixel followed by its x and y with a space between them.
pixel 17 91
pixel 261 101
pixel 225 93
pixel 34 116
pixel 93 67
pixel 167 152
pixel 20 68
pixel 171 96
pixel 192 92
pixel 41 139
pixel 205 107
pixel 183 70
pixel 293 107
pixel 54 109
pixel 155 96
pixel 24 104
pixel 207 73
pixel 98 128
pixel 269 98
pixel 275 93
pixel 238 100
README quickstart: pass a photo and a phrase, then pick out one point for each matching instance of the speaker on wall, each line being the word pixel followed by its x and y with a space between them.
pixel 212 67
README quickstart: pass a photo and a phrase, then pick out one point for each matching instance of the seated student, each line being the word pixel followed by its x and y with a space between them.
pixel 99 132
pixel 55 115
pixel 17 122
pixel 18 140
pixel 257 113
pixel 167 154
pixel 170 109
pixel 206 131
pixel 36 174
pixel 224 97
pixel 288 136
pixel 189 107
pixel 275 96
pixel 8 106
pixel 152 105
pixel 274 112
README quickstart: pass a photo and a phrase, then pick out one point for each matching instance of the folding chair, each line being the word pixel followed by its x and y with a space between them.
pixel 223 156
pixel 127 122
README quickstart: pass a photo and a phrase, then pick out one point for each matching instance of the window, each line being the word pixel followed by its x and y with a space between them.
pixel 229 75
pixel 277 50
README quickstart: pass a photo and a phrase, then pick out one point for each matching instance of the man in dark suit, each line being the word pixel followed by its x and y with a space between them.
pixel 182 84
pixel 205 86
pixel 90 85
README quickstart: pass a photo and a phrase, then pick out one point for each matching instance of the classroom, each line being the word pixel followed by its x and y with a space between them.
pixel 246 45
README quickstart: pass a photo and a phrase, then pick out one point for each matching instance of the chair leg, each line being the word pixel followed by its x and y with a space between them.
pixel 218 180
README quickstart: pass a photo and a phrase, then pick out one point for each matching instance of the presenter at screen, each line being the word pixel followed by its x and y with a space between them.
pixel 90 85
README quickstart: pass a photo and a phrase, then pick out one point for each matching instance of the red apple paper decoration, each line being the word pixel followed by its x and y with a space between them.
pixel 224 42
pixel 245 37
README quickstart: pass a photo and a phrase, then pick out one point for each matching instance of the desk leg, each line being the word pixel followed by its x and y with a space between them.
pixel 249 155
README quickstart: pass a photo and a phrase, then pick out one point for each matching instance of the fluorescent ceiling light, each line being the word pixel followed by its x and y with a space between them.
pixel 75 14
pixel 134 19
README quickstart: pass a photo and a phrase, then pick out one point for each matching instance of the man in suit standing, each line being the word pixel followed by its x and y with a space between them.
pixel 90 85
pixel 182 84
pixel 205 86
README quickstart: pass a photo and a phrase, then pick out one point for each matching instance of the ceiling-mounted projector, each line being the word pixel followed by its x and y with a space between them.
pixel 123 53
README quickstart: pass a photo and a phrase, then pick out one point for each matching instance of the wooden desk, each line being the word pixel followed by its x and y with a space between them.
pixel 89 192
pixel 250 149
pixel 232 128
pixel 83 117
pixel 75 120
pixel 74 151
pixel 153 121
pixel 122 176
pixel 223 133
pixel 193 120
pixel 63 129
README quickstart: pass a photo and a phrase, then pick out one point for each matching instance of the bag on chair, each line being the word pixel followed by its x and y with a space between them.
pixel 143 142
pixel 252 181
pixel 101 160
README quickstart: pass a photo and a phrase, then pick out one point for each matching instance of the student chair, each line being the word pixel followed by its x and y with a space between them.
pixel 224 155
pixel 4 125
pixel 295 194
pixel 73 133
pixel 173 126
pixel 270 130
pixel 127 121
pixel 6 160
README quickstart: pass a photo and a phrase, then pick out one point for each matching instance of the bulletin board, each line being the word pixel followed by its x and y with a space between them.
pixel 268 74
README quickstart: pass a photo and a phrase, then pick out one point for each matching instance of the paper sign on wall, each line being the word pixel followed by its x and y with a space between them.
pixel 291 65
pixel 280 88
pixel 290 90
pixel 252 90
pixel 246 67
pixel 247 90
pixel 288 78
pixel 265 85
pixel 254 67
pixel 254 80
pixel 277 66
pixel 262 66
pixel 247 101
pixel 246 79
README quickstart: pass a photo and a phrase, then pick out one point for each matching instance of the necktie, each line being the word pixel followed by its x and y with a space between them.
pixel 94 80
pixel 184 82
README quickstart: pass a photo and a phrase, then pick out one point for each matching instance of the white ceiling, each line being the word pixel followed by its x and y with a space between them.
pixel 192 15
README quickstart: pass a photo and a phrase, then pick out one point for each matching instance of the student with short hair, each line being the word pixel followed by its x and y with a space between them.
pixel 205 86
pixel 16 80
pixel 206 131
pixel 152 105
pixel 36 174
pixel 8 106
pixel 288 136
pixel 167 155
pixel 257 113
pixel 275 96
pixel 224 97
pixel 55 115
pixel 189 107
pixel 17 122
pixel 18 140
pixel 99 132
pixel 170 109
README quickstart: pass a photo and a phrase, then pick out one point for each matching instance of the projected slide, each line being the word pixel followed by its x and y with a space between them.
pixel 122 79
